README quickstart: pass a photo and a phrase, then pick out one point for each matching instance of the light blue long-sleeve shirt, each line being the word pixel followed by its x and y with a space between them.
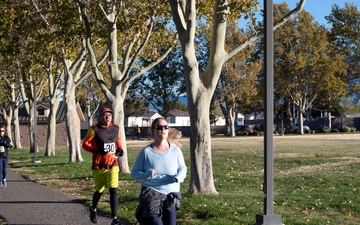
pixel 168 165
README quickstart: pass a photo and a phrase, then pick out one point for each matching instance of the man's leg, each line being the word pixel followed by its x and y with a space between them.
pixel 113 202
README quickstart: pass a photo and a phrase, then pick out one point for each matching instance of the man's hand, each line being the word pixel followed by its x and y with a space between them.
pixel 120 152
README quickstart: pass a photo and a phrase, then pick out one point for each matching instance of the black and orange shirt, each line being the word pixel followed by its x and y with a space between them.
pixel 103 142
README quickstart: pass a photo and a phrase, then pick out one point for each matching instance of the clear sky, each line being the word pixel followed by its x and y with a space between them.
pixel 318 8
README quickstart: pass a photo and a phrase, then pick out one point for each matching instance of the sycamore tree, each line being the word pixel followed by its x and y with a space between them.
pixel 333 86
pixel 297 51
pixel 62 56
pixel 134 30
pixel 163 85
pixel 42 42
pixel 341 73
pixel 345 40
pixel 6 103
pixel 238 81
pixel 305 66
pixel 18 50
pixel 11 100
pixel 237 85
pixel 201 86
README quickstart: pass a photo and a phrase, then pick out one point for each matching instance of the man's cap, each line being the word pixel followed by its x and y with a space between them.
pixel 104 110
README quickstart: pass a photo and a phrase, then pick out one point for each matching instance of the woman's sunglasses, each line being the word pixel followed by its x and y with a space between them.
pixel 160 127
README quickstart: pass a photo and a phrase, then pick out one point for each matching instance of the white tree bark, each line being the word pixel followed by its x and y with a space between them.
pixel 15 115
pixel 17 139
pixel 329 119
pixel 54 95
pixel 72 80
pixel 51 129
pixel 232 117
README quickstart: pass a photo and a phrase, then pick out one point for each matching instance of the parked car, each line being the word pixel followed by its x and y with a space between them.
pixel 295 126
pixel 244 128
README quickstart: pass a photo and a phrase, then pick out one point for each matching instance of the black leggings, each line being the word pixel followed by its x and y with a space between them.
pixel 113 200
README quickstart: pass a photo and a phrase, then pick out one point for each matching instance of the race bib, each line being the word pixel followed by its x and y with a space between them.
pixel 2 149
pixel 109 148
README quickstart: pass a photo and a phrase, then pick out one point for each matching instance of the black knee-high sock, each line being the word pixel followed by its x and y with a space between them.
pixel 113 201
pixel 96 198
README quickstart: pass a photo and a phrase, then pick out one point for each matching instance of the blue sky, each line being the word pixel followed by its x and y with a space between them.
pixel 318 8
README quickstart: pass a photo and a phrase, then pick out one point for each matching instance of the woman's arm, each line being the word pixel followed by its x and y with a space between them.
pixel 138 172
pixel 182 169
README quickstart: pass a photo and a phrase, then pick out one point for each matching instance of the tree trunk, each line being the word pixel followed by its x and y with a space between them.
pixel 17 139
pixel 329 119
pixel 73 128
pixel 301 119
pixel 54 81
pixel 118 107
pixel 232 120
pixel 72 121
pixel 51 129
pixel 116 97
pixel 201 176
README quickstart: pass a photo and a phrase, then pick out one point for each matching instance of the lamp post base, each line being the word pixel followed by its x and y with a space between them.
pixel 274 219
pixel 36 160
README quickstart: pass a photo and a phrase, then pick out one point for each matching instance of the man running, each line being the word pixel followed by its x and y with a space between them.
pixel 103 141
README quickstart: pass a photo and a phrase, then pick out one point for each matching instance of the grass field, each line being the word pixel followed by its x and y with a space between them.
pixel 316 180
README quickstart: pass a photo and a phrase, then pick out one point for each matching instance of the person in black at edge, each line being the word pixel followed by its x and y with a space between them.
pixel 5 144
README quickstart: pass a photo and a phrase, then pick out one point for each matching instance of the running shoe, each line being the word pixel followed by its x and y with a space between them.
pixel 115 222
pixel 4 183
pixel 92 215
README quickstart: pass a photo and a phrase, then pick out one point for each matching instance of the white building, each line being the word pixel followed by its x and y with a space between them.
pixel 179 118
pixel 220 121
pixel 239 120
pixel 143 120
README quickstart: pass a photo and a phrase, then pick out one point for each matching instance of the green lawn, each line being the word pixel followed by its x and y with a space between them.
pixel 316 180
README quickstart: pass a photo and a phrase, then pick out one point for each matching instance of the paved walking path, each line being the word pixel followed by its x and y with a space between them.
pixel 24 202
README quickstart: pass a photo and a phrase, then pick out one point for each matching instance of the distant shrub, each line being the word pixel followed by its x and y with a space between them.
pixel 345 129
pixel 308 131
pixel 353 129
pixel 256 133
pixel 335 131
pixel 240 133
pixel 324 129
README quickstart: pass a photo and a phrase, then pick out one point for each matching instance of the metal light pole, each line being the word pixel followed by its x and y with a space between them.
pixel 269 218
pixel 35 159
